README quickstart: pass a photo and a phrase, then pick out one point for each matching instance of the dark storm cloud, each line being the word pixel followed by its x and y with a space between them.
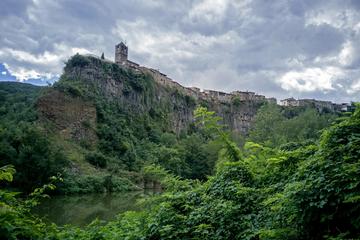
pixel 278 48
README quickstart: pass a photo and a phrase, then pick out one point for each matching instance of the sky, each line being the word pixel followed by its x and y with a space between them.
pixel 283 48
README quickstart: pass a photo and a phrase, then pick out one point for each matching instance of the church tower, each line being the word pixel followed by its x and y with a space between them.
pixel 121 54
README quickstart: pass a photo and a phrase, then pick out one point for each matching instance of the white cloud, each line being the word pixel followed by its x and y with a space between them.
pixel 170 51
pixel 23 65
pixel 274 47
pixel 310 79
pixel 296 61
pixel 22 73
pixel 3 73
pixel 340 17
pixel 209 78
pixel 211 11
pixel 346 55
pixel 354 88
pixel 344 58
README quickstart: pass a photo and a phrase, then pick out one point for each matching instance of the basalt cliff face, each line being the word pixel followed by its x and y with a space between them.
pixel 72 103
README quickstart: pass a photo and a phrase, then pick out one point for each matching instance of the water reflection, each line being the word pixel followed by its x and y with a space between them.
pixel 80 210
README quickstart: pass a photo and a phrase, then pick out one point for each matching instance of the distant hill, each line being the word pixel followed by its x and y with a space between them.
pixel 18 87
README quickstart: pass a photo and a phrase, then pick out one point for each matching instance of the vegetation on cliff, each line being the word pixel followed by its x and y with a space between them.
pixel 97 142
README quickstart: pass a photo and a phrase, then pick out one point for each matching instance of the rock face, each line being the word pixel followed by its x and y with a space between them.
pixel 71 116
pixel 237 117
pixel 136 91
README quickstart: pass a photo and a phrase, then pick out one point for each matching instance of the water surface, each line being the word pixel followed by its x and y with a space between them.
pixel 81 210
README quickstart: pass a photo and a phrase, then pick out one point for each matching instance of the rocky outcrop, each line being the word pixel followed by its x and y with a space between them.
pixel 238 117
pixel 72 117
pixel 135 91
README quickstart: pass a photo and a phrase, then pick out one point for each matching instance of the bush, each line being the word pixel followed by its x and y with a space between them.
pixel 190 101
pixel 97 159
pixel 96 183
pixel 77 61
pixel 29 149
pixel 236 101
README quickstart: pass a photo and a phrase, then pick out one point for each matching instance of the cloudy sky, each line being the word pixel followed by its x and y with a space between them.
pixel 299 48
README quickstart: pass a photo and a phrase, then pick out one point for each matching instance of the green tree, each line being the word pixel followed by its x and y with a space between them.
pixel 193 151
pixel 211 124
pixel 272 128
pixel 267 127
pixel 33 155
pixel 97 159
pixel 321 198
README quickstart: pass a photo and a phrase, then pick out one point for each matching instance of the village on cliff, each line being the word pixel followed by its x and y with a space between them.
pixel 121 58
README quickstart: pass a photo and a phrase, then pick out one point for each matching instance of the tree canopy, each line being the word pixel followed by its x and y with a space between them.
pixel 310 191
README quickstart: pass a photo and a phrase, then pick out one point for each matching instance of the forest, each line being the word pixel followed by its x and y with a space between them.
pixel 295 175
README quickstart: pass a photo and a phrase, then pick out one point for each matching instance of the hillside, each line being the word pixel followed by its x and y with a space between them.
pixel 308 191
pixel 125 119
pixel 286 172
pixel 102 123
pixel 16 97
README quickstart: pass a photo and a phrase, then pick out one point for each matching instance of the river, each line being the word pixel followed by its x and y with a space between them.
pixel 80 210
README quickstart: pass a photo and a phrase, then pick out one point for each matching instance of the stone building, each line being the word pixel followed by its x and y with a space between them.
pixel 318 104
pixel 121 58
pixel 219 96
pixel 321 106
pixel 259 97
pixel 344 107
pixel 244 96
pixel 289 102
pixel 121 54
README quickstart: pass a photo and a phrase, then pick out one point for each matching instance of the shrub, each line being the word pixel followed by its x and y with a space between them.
pixel 236 101
pixel 36 159
pixel 77 61
pixel 97 159
pixel 190 101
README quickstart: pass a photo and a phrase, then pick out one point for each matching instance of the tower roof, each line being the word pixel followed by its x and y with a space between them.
pixel 121 44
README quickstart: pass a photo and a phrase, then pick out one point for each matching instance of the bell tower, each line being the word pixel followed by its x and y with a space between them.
pixel 121 53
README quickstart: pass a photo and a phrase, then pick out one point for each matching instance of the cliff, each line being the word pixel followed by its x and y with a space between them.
pixel 136 92
pixel 111 120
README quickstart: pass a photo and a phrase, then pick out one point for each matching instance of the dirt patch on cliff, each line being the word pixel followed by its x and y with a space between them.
pixel 71 116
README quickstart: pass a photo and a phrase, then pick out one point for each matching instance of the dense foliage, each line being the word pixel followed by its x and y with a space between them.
pixel 128 138
pixel 23 143
pixel 32 154
pixel 295 177
pixel 275 125
pixel 311 191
